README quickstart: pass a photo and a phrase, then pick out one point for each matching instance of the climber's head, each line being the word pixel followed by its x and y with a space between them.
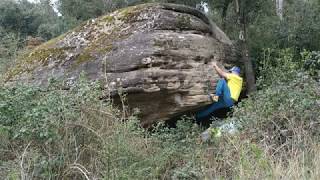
pixel 235 70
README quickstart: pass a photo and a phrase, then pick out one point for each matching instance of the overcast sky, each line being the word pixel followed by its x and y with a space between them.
pixel 38 0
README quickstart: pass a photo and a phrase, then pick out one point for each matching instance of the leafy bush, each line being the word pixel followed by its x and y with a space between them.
pixel 278 134
pixel 53 130
pixel 59 134
pixel 312 62
pixel 282 111
pixel 279 125
pixel 277 66
pixel 282 66
pixel 10 43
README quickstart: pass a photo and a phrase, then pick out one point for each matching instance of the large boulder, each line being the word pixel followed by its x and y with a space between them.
pixel 161 55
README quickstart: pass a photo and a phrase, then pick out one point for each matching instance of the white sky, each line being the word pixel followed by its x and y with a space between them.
pixel 38 0
pixel 205 7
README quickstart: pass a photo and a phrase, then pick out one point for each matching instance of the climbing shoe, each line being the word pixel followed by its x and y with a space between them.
pixel 213 98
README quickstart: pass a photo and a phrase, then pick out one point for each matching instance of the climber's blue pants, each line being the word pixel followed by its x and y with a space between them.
pixel 223 91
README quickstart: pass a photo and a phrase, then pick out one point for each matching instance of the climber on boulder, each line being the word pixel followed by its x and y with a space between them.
pixel 227 91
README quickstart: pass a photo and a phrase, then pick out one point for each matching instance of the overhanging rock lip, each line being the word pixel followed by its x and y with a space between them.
pixel 195 12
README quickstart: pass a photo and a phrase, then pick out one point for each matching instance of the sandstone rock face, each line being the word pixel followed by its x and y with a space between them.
pixel 161 55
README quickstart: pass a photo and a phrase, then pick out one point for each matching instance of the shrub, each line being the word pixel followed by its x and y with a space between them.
pixel 282 66
pixel 278 135
pixel 312 62
pixel 54 133
pixel 59 134
pixel 277 65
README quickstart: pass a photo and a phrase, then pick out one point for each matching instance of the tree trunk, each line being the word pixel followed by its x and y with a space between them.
pixel 224 17
pixel 248 67
pixel 279 8
pixel 224 13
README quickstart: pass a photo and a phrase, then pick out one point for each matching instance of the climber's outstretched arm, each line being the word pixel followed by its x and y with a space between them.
pixel 221 72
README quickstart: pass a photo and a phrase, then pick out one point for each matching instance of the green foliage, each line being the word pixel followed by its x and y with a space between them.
pixel 278 110
pixel 84 9
pixel 11 16
pixel 279 125
pixel 10 43
pixel 25 18
pixel 298 30
pixel 312 62
pixel 47 123
pixel 277 66
pixel 301 26
pixel 283 120
pixel 163 153
pixel 20 19
pixel 58 133
pixel 281 66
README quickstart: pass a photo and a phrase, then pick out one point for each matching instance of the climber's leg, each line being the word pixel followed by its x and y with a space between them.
pixel 209 109
pixel 222 90
pixel 221 85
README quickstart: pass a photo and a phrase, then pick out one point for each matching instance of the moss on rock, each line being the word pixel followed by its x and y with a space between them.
pixel 108 18
pixel 97 38
pixel 184 21
pixel 51 43
pixel 38 57
pixel 84 57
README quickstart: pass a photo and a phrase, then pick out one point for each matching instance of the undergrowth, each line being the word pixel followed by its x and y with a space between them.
pixel 51 133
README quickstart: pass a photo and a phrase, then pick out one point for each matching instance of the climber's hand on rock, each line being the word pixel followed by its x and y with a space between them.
pixel 215 64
